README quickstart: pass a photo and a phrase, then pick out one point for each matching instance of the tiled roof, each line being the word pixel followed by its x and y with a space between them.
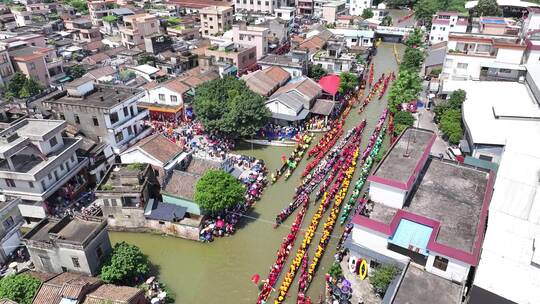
pixel 159 147
pixel 177 86
pixel 307 87
pixel 182 184
pixel 115 294
pixel 264 82
pixel 101 72
pixel 64 285
pixel 312 44
pixel 199 166
pixel 97 58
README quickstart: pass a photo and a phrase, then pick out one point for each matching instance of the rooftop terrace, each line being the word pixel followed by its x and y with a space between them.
pixel 405 155
pixel 72 230
pixel 124 178
pixel 104 96
pixel 449 193
pixel 422 287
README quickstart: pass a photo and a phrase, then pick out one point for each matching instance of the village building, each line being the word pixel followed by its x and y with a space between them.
pixel 295 63
pixel 39 164
pixel 78 244
pixel 216 19
pixel 443 23
pixel 440 225
pixel 12 220
pixel 103 112
pixel 265 82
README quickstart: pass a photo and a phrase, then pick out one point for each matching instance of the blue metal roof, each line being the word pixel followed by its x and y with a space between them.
pixel 411 235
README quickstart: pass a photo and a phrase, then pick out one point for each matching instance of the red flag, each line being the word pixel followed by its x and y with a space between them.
pixel 255 278
pixel 283 158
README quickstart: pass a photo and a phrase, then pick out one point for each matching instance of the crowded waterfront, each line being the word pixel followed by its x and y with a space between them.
pixel 227 265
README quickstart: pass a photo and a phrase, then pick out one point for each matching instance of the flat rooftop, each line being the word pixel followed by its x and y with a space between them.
pixel 124 178
pixel 449 193
pixel 422 287
pixel 104 96
pixel 39 127
pixel 404 155
pixel 73 230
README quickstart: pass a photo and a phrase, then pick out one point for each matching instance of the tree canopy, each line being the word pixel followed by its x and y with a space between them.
pixel 425 9
pixel 382 277
pixel 448 115
pixel 229 107
pixel 20 288
pixel 412 59
pixel 217 190
pixel 487 8
pixel 402 120
pixel 22 87
pixel 367 13
pixel 405 89
pixel 76 72
pixel 316 72
pixel 126 265
pixel 347 81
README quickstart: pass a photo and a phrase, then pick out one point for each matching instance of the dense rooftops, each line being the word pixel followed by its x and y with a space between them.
pixel 77 231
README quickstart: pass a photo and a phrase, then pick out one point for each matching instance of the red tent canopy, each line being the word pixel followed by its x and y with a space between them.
pixel 330 84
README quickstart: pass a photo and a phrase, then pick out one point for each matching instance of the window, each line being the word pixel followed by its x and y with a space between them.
pixel 174 98
pixel 119 137
pixel 53 142
pixel 99 252
pixel 77 119
pixel 161 97
pixel 440 263
pixel 8 223
pixel 111 216
pixel 31 184
pixel 62 116
pixel 72 158
pixel 130 130
pixel 32 66
pixel 95 121
pixel 55 175
pixel 161 222
pixel 126 112
pixel 49 176
pixel 43 185
pixel 10 182
pixel 434 28
pixel 462 65
pixel 113 117
pixel 505 71
pixel 485 157
pixel 76 263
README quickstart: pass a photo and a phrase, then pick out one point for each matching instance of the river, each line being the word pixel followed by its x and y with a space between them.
pixel 220 272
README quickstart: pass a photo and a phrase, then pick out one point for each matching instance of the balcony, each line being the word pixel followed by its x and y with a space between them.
pixel 120 125
pixel 127 142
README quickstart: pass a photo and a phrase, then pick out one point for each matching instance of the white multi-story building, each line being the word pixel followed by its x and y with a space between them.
pixel 481 56
pixel 356 7
pixel 103 113
pixel 36 161
pixel 443 23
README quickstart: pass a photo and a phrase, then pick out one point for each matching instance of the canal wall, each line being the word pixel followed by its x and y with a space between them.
pixel 181 230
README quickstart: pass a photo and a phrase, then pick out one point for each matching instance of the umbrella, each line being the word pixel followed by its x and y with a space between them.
pixel 150 280
pixel 255 278
pixel 346 283
pixel 220 223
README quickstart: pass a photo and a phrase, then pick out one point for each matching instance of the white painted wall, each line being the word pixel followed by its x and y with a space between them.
pixel 456 271
pixel 32 211
pixel 356 7
pixel 278 107
pixel 509 56
pixel 294 72
pixel 375 241
pixel 152 96
pixel 133 156
pixel 533 57
pixel 387 195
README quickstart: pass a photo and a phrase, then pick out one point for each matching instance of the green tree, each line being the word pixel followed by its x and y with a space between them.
pixel 402 120
pixel 405 89
pixel 487 8
pixel 76 71
pixel 451 125
pixel 457 98
pixel 412 59
pixel 347 81
pixel 382 277
pixel 15 85
pixel 335 271
pixel 109 18
pixel 367 13
pixel 425 9
pixel 217 190
pixel 229 107
pixel 126 265
pixel 32 87
pixel 79 5
pixel 415 39
pixel 316 72
pixel 439 110
pixel 20 288
pixel 387 21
